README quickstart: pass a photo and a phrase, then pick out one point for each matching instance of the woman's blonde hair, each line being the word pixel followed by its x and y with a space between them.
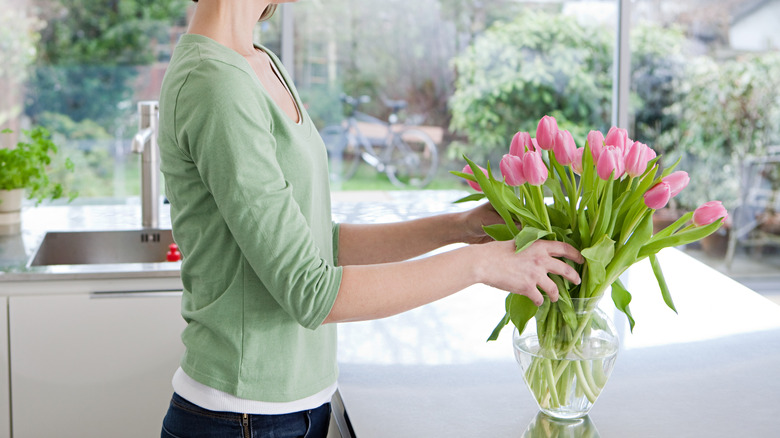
pixel 268 12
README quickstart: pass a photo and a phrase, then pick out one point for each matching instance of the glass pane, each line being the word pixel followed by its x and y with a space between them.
pixel 706 89
pixel 79 68
pixel 472 73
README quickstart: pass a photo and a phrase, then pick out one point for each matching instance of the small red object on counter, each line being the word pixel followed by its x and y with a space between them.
pixel 173 253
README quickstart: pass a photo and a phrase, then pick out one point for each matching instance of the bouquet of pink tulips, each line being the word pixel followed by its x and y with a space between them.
pixel 602 199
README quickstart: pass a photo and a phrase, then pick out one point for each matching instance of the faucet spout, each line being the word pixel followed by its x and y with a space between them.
pixel 145 143
pixel 140 139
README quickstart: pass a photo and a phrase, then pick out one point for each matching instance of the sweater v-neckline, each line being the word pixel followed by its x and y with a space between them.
pixel 248 67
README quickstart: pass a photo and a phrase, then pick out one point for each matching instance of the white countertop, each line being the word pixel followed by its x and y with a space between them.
pixel 711 371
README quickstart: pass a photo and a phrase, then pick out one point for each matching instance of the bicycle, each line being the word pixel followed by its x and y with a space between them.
pixel 408 156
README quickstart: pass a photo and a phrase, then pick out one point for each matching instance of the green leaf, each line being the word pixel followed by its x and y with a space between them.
pixel 564 302
pixel 489 186
pixel 671 168
pixel 501 324
pixel 681 238
pixel 627 254
pixel 669 230
pixel 471 197
pixel 598 257
pixel 659 276
pixel 464 175
pixel 498 232
pixel 521 309
pixel 621 297
pixel 583 228
pixel 529 235
pixel 527 218
pixel 557 216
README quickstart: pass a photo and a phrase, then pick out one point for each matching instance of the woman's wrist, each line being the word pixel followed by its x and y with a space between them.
pixel 478 260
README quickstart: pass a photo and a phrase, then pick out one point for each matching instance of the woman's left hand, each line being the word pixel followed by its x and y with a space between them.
pixel 475 219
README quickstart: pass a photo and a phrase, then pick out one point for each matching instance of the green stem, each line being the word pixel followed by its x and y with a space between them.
pixel 586 368
pixel 551 382
pixel 543 208
pixel 583 383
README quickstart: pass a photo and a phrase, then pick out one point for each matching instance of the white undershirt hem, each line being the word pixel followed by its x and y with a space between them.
pixel 219 401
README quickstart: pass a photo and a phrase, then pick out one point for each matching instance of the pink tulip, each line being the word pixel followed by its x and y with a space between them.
pixel 658 195
pixel 521 142
pixel 474 185
pixel 677 181
pixel 596 144
pixel 564 147
pixel 637 157
pixel 534 169
pixel 611 160
pixel 617 137
pixel 576 162
pixel 546 131
pixel 709 212
pixel 512 169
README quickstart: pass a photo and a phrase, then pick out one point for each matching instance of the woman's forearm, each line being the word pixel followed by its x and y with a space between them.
pixel 381 290
pixel 365 244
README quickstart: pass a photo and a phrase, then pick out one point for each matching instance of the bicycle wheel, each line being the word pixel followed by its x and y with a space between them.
pixel 343 152
pixel 414 159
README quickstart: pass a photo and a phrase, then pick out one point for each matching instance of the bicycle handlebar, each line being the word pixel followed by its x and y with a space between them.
pixel 394 105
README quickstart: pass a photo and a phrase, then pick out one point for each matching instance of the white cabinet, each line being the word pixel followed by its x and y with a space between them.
pixel 5 393
pixel 91 365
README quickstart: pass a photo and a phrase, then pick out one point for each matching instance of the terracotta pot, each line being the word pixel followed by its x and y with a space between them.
pixel 716 244
pixel 11 211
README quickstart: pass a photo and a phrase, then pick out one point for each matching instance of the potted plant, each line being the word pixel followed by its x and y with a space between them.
pixel 26 167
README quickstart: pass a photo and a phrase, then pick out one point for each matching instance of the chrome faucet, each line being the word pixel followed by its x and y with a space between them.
pixel 145 143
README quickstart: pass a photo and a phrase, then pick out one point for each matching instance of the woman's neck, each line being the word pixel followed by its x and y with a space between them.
pixel 228 22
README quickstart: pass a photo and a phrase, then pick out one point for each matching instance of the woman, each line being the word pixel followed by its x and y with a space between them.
pixel 266 273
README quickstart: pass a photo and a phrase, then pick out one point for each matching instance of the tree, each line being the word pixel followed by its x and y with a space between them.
pixel 729 111
pixel 88 53
pixel 539 63
pixel 18 35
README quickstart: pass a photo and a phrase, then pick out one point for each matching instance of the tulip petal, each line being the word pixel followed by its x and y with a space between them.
pixel 709 212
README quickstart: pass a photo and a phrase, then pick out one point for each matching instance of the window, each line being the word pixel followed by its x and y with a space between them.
pixel 706 89
pixel 471 72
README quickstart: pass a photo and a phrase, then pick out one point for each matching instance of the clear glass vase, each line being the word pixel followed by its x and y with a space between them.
pixel 566 354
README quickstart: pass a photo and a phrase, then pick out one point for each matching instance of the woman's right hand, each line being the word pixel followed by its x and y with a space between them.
pixel 521 273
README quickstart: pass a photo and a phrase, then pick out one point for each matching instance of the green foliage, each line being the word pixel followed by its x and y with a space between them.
pixel 89 51
pixel 657 67
pixel 517 71
pixel 729 111
pixel 89 147
pixel 27 166
pixel 548 63
pixel 18 36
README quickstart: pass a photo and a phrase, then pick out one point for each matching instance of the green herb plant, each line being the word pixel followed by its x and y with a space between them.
pixel 27 166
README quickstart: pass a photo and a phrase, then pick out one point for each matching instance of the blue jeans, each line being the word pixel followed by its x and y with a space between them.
pixel 186 420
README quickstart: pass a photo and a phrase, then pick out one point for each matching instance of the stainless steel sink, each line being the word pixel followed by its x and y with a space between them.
pixel 98 247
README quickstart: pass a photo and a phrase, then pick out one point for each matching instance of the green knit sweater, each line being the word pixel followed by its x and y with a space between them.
pixel 250 210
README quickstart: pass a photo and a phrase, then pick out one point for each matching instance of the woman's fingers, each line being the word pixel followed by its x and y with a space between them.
pixel 561 249
pixel 561 268
pixel 545 252
pixel 549 286
pixel 534 295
